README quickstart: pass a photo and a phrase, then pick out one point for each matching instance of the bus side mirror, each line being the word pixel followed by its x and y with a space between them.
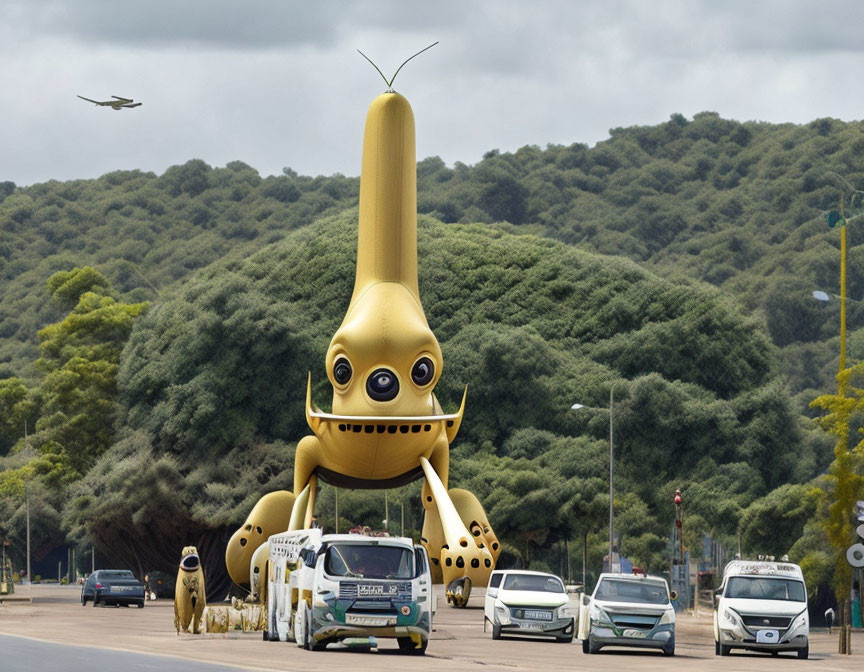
pixel 673 595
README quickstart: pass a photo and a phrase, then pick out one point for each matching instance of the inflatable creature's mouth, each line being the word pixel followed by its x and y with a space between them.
pixel 382 424
pixel 190 563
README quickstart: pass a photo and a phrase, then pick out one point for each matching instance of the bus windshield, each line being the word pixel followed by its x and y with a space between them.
pixel 369 562
pixel 766 588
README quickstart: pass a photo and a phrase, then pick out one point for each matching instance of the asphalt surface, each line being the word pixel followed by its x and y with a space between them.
pixel 20 654
pixel 458 643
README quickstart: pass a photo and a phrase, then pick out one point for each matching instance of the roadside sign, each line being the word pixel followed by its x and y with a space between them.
pixel 855 555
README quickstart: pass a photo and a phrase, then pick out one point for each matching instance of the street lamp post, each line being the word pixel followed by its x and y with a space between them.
pixel 576 407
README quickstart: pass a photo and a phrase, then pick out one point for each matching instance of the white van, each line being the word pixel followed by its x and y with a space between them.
pixel 629 610
pixel 761 606
pixel 324 588
pixel 529 603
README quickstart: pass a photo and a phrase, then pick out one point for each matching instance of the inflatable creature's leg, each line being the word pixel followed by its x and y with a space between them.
pixel 301 518
pixel 270 515
pixel 462 561
pixel 258 574
pixel 306 461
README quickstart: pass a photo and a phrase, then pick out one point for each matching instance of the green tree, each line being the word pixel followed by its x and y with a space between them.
pixel 80 357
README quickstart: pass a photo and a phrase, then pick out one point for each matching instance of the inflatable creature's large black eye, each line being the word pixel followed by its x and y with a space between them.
pixel 342 371
pixel 423 371
pixel 382 385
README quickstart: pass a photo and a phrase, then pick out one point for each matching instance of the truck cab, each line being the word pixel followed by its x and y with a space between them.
pixel 326 588
pixel 761 606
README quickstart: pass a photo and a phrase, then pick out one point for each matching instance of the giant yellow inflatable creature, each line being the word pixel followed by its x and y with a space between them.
pixel 387 428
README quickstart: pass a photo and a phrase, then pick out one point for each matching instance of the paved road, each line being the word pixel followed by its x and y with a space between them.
pixel 20 654
pixel 458 643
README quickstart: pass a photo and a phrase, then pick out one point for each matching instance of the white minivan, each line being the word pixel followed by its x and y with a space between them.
pixel 761 606
pixel 522 602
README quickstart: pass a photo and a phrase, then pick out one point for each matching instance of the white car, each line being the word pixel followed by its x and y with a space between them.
pixel 529 603
pixel 629 610
pixel 761 606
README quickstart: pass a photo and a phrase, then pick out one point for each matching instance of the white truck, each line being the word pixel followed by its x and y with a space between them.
pixel 761 606
pixel 324 588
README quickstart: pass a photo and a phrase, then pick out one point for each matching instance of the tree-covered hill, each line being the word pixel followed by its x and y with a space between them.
pixel 738 205
pixel 212 388
pixel 142 231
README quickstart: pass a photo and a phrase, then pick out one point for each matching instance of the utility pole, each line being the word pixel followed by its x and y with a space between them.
pixel 611 471
pixel 336 490
pixel 584 559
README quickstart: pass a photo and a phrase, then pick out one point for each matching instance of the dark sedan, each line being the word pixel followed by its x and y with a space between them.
pixel 113 586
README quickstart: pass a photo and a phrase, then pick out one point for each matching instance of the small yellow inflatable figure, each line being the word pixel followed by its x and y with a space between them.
pixel 189 596
pixel 387 428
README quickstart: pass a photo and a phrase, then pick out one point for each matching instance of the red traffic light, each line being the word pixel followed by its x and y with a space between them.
pixel 677 522
pixel 678 498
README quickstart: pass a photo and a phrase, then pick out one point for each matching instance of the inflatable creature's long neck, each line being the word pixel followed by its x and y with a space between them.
pixel 387 239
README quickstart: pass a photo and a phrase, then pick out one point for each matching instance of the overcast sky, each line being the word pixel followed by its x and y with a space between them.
pixel 279 82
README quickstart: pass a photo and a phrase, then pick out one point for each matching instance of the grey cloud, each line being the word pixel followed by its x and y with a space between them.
pixel 215 23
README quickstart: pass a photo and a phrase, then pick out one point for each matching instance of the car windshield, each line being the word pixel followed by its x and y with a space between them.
pixel 534 582
pixel 766 588
pixel 628 590
pixel 369 562
pixel 116 574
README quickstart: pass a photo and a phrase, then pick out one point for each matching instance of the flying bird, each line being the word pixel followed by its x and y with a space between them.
pixel 118 104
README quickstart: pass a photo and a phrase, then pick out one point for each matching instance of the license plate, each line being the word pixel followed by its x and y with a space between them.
pixel 373 589
pixel 632 633
pixel 538 615
pixel 767 636
pixel 374 621
pixel 120 589
pixel 531 626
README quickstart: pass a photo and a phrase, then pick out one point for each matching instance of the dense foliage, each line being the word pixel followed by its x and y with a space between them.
pixel 710 383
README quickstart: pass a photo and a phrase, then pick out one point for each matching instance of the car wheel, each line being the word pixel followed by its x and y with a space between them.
pixel 141 604
pixel 804 653
pixel 496 631
pixel 585 647
pixel 724 650
pixel 307 628
pixel 83 601
pixel 407 646
pixel 669 649
pixel 716 648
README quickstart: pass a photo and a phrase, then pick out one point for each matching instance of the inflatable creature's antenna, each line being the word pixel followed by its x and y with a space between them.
pixel 393 78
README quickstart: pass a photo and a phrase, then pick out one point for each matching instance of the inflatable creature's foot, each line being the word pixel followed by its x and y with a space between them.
pixel 460 558
pixel 270 515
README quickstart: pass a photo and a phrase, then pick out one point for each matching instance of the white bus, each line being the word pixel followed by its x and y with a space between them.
pixel 323 588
